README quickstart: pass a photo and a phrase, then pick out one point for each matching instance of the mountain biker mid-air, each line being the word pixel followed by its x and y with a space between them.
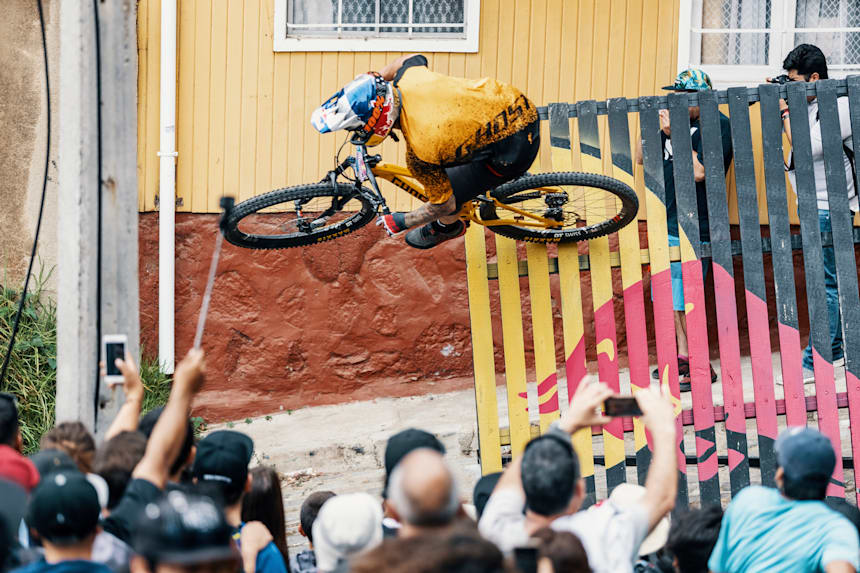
pixel 463 137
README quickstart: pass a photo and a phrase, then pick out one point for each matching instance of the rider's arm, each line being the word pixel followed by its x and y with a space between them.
pixel 388 71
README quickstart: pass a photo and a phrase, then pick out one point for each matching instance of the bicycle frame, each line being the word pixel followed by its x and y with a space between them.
pixel 369 168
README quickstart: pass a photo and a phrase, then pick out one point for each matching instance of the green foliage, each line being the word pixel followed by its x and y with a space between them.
pixel 156 384
pixel 32 373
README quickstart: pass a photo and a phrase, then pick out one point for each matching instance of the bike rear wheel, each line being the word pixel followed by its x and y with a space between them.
pixel 580 206
pixel 312 214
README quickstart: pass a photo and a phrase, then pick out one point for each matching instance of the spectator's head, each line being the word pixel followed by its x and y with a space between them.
pixel 805 460
pixel 422 492
pixel 691 80
pixel 186 454
pixel 483 489
pixel 74 439
pixel 221 465
pixel 404 442
pixel 805 63
pixel 309 512
pixel 115 461
pixel 849 511
pixel 19 470
pixel 347 525
pixel 64 512
pixel 50 461
pixel 182 533
pixel 9 431
pixel 560 552
pixel 265 503
pixel 692 538
pixel 550 476
pixel 458 550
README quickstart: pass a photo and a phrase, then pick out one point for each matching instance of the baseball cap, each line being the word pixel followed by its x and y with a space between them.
pixel 805 454
pixel 691 80
pixel 64 507
pixel 51 460
pixel 223 457
pixel 184 529
pixel 627 495
pixel 404 442
pixel 347 525
pixel 17 469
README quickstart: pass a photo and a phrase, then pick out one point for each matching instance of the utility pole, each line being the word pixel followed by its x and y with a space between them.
pixel 98 220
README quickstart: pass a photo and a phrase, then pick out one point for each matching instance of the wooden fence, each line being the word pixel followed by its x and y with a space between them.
pixel 607 448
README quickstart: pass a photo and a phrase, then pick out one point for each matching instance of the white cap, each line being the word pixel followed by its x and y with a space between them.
pixel 347 525
pixel 627 495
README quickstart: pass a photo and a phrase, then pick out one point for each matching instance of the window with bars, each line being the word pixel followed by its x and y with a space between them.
pixel 746 40
pixel 377 25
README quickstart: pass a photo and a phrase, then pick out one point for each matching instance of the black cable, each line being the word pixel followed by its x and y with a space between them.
pixel 41 202
pixel 99 209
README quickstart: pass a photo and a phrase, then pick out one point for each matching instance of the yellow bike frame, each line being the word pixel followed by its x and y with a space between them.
pixel 402 178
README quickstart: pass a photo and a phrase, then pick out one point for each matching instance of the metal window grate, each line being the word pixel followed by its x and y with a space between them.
pixel 377 18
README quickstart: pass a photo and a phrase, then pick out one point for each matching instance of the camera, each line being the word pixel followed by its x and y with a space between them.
pixel 783 79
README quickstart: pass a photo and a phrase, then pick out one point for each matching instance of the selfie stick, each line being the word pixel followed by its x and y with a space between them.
pixel 207 294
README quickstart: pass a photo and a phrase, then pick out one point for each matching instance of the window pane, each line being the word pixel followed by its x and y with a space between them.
pixel 438 11
pixel 394 12
pixel 840 48
pixel 732 48
pixel 357 12
pixel 311 12
pixel 736 13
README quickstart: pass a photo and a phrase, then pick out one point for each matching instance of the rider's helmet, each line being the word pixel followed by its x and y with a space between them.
pixel 368 105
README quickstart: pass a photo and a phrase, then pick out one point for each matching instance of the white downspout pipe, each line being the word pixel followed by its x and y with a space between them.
pixel 167 187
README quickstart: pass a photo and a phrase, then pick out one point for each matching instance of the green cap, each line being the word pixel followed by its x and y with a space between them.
pixel 691 80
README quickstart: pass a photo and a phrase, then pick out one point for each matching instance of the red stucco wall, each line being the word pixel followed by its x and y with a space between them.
pixel 361 317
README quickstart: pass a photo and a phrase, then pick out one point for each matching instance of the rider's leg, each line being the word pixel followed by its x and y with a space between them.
pixel 428 212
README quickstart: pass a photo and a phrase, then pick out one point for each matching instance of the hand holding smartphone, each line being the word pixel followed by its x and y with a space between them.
pixel 621 406
pixel 113 347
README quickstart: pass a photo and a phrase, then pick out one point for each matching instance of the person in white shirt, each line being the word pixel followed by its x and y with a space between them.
pixel 545 482
pixel 806 63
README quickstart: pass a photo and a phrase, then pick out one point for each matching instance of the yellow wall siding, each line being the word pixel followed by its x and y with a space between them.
pixel 243 110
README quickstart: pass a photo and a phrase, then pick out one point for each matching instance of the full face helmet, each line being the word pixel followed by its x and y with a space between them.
pixel 368 105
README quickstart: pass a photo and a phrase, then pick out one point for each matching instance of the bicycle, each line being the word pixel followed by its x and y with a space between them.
pixel 533 207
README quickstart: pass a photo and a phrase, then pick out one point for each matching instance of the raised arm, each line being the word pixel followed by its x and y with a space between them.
pixel 166 440
pixel 662 483
pixel 128 417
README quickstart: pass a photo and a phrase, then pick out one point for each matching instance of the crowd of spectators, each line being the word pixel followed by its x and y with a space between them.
pixel 151 498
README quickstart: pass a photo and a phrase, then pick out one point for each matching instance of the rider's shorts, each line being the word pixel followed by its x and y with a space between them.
pixel 497 163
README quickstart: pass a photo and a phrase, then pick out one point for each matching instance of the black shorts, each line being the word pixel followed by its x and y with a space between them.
pixel 495 164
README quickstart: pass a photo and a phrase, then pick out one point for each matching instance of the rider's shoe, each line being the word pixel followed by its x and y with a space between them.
pixel 431 234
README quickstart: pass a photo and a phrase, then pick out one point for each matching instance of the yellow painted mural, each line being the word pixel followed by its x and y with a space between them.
pixel 243 109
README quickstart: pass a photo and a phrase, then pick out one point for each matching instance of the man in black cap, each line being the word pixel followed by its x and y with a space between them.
pixel 398 446
pixel 64 514
pixel 184 533
pixel 789 529
pixel 221 471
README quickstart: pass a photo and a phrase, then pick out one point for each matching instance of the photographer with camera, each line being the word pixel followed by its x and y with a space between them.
pixel 806 63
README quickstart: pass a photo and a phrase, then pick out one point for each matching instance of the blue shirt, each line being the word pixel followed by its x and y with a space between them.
pixel 764 531
pixel 74 566
pixel 269 560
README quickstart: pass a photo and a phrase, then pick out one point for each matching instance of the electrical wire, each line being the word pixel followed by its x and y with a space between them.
pixel 23 300
pixel 98 50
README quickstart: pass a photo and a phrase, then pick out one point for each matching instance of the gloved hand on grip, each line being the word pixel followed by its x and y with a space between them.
pixel 393 223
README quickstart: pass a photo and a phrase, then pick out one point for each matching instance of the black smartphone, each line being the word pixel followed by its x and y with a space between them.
pixel 526 559
pixel 621 406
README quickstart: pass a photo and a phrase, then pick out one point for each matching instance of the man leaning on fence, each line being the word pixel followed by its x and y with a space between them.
pixel 687 81
pixel 806 63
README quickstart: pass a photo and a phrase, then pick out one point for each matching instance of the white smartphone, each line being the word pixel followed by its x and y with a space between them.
pixel 113 347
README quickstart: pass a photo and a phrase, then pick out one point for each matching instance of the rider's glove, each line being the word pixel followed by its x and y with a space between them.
pixel 393 223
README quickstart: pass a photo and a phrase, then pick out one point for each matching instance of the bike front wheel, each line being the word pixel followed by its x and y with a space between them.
pixel 561 207
pixel 298 216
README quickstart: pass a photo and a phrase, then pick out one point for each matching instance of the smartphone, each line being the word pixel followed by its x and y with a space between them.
pixel 621 406
pixel 113 347
pixel 526 559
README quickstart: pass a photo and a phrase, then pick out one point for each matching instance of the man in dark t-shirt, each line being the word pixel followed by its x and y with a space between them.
pixel 687 81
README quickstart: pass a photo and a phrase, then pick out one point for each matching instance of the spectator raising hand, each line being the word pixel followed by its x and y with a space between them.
pixel 584 409
pixel 128 417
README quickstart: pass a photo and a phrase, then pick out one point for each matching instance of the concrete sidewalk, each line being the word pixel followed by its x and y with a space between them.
pixel 341 448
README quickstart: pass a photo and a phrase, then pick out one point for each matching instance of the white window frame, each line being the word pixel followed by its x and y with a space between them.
pixel 469 44
pixel 781 42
